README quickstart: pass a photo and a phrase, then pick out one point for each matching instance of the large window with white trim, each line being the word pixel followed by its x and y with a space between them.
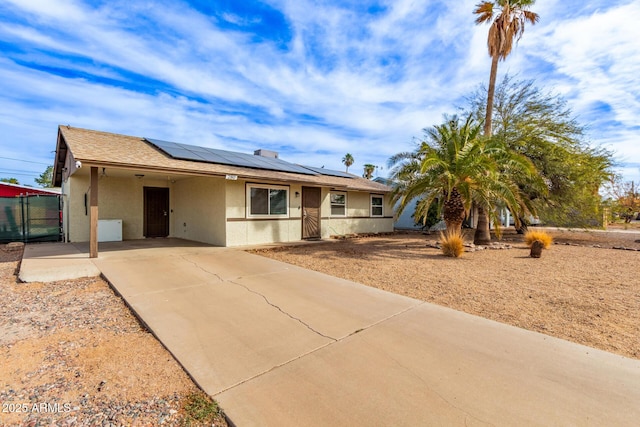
pixel 377 205
pixel 338 203
pixel 267 201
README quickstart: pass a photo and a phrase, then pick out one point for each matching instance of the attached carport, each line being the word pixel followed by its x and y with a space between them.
pixel 147 203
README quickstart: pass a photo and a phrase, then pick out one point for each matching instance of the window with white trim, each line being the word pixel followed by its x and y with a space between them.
pixel 267 201
pixel 338 204
pixel 376 205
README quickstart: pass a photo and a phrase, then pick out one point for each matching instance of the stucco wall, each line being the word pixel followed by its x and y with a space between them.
pixel 358 216
pixel 212 210
pixel 118 198
pixel 342 226
pixel 198 210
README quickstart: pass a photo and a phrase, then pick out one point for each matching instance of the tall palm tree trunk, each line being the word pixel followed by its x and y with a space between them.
pixel 490 94
pixel 482 235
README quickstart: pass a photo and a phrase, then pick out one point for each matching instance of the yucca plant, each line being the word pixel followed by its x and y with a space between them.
pixel 452 243
pixel 543 237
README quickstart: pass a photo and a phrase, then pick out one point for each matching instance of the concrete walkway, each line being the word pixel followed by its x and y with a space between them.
pixel 278 345
pixel 50 262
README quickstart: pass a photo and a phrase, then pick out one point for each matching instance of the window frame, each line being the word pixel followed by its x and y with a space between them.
pixel 381 206
pixel 267 187
pixel 331 204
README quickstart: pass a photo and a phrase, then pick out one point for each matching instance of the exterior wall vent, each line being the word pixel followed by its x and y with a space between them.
pixel 266 153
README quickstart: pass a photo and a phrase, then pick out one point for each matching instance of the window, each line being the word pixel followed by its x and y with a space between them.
pixel 338 204
pixel 376 205
pixel 268 201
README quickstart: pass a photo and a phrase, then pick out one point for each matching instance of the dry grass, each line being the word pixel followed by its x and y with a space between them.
pixel 541 236
pixel 579 293
pixel 452 243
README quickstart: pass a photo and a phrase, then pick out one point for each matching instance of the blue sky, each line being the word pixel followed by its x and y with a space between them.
pixel 312 80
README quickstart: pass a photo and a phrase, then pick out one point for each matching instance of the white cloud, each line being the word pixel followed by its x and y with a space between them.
pixel 371 82
pixel 67 10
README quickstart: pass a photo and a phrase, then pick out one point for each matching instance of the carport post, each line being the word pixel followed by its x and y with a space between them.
pixel 93 239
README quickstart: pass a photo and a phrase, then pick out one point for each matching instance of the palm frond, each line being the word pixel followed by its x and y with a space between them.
pixel 484 11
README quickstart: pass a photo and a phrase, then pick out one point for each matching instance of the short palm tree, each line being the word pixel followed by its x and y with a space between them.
pixel 508 18
pixel 368 170
pixel 348 160
pixel 454 167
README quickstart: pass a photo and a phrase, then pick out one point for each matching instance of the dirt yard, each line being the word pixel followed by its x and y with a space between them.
pixel 71 353
pixel 575 291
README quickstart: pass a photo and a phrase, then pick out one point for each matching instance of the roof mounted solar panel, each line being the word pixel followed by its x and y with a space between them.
pixel 328 172
pixel 223 157
pixel 281 165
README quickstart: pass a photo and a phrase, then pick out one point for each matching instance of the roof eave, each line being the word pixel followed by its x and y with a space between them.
pixel 61 157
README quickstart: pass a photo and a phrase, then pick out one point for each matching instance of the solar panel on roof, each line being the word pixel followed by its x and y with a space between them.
pixel 207 157
pixel 194 148
pixel 212 155
pixel 329 172
pixel 290 167
pixel 177 152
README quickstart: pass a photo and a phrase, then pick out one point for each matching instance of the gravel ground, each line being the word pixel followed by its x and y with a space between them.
pixel 575 291
pixel 72 354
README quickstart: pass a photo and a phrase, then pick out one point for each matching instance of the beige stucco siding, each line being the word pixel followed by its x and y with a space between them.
pixel 118 198
pixel 240 233
pixel 358 204
pixel 358 215
pixel 211 210
pixel 66 200
pixel 342 226
pixel 198 210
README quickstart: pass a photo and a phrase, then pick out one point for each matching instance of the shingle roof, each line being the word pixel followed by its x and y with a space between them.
pixel 132 152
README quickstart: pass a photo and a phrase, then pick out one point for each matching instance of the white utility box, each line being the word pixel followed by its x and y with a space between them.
pixel 109 230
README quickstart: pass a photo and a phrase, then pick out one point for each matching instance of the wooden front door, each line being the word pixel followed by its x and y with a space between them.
pixel 156 212
pixel 310 213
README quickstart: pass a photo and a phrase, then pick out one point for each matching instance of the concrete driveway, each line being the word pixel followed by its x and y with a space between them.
pixel 279 345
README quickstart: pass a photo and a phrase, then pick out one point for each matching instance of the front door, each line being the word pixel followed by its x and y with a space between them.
pixel 310 213
pixel 156 212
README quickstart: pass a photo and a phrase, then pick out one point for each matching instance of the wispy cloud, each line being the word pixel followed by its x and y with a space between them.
pixel 311 79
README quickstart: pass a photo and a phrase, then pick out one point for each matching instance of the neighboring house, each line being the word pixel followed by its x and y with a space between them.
pixel 14 190
pixel 405 221
pixel 159 189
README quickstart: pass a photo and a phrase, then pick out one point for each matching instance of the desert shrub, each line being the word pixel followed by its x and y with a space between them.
pixel 452 243
pixel 543 237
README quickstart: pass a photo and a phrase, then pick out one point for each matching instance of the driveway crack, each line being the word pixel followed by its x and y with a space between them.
pixel 203 269
pixel 277 307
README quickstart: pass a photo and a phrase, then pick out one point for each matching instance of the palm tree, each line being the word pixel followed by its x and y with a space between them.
pixel 368 170
pixel 508 18
pixel 348 160
pixel 454 167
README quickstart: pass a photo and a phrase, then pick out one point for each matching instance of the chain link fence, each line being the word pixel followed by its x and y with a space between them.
pixel 33 218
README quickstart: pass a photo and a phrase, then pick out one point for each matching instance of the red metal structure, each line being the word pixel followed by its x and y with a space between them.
pixel 14 190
